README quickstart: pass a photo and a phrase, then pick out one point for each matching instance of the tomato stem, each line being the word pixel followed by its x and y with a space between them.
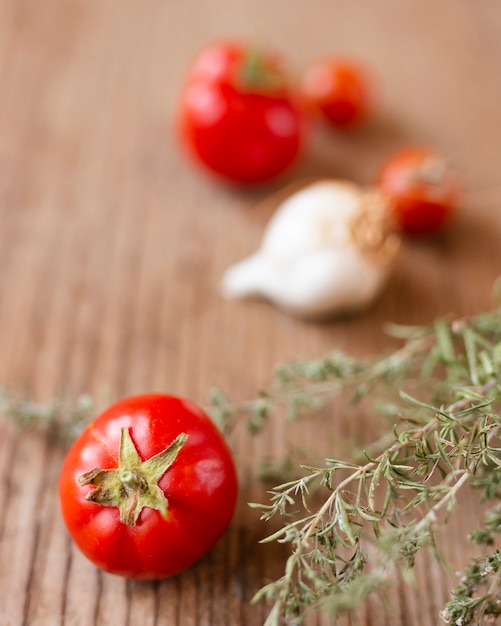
pixel 134 484
pixel 258 72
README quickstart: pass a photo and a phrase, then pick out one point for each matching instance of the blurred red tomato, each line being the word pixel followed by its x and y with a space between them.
pixel 238 113
pixel 338 89
pixel 422 189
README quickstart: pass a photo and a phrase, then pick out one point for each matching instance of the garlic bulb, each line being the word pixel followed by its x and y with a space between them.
pixel 326 250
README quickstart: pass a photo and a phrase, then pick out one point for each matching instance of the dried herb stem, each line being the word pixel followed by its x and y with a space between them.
pixel 395 499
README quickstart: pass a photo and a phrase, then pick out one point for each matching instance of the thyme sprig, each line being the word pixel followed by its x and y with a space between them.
pixel 301 389
pixel 61 420
pixel 402 518
pixel 349 523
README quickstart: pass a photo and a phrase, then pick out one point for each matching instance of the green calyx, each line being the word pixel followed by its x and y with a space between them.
pixel 258 73
pixel 133 485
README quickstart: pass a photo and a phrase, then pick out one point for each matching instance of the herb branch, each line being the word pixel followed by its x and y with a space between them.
pixel 60 420
pixel 349 523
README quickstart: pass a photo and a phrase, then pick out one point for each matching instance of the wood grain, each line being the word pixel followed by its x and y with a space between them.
pixel 112 245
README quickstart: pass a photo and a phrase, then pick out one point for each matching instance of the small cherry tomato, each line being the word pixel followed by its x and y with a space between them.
pixel 148 488
pixel 422 190
pixel 337 89
pixel 238 113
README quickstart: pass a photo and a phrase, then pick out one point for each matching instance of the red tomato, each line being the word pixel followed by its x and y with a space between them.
pixel 148 488
pixel 421 188
pixel 338 89
pixel 238 114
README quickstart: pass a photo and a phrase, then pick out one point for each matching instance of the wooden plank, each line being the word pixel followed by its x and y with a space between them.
pixel 112 245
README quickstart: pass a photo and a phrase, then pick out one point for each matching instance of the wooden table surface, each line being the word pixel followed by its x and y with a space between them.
pixel 112 245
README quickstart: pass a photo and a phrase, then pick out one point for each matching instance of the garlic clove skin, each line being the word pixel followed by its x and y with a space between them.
pixel 314 217
pixel 310 261
pixel 321 283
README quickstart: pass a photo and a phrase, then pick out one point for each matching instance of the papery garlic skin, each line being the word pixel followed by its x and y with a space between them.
pixel 311 261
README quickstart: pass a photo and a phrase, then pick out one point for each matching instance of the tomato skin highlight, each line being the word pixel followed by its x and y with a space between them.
pixel 239 116
pixel 422 190
pixel 338 90
pixel 200 487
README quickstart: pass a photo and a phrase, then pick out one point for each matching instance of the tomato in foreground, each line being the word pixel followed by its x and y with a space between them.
pixel 148 488
pixel 338 89
pixel 422 190
pixel 238 114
